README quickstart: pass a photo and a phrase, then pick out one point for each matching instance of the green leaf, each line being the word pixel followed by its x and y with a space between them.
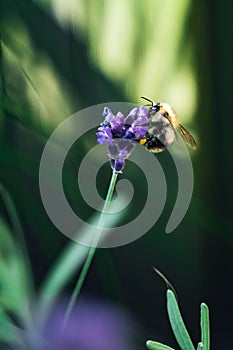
pixel 153 345
pixel 205 327
pixel 200 346
pixel 177 323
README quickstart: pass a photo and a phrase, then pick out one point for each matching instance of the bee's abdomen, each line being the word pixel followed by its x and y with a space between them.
pixel 153 144
pixel 160 133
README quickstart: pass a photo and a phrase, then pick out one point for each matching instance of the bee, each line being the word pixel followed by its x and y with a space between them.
pixel 162 129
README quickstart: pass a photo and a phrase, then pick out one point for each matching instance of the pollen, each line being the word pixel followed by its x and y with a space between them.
pixel 142 141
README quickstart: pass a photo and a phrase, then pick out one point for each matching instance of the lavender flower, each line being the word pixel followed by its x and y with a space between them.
pixel 93 325
pixel 119 132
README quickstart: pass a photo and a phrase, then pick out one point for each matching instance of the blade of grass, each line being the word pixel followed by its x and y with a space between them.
pixel 9 333
pixel 17 229
pixel 153 345
pixel 205 327
pixel 177 323
pixel 15 293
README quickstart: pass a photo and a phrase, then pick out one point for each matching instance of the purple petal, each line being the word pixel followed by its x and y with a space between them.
pixel 106 111
pixel 117 124
pixel 138 131
pixel 143 111
pixel 119 118
pixel 131 116
pixel 129 134
pixel 109 119
pixel 104 134
pixel 142 120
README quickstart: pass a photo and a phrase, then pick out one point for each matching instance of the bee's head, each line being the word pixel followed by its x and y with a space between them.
pixel 155 106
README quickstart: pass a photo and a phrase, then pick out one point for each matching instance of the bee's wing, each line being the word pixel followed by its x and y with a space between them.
pixel 187 137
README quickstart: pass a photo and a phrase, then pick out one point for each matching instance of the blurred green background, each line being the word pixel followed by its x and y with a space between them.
pixel 57 57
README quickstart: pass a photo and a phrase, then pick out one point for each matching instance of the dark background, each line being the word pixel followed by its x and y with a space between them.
pixel 51 67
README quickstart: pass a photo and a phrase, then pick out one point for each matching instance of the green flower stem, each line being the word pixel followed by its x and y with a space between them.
pixel 92 250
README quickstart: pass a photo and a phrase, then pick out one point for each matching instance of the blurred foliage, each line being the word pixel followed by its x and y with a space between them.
pixel 57 57
pixel 24 312
pixel 32 72
pixel 124 51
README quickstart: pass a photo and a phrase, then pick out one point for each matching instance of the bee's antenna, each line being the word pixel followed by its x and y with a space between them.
pixel 147 99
